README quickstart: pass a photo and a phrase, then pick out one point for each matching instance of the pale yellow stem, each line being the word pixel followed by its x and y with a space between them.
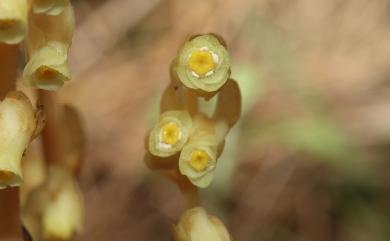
pixel 177 96
pixel 8 65
pixel 10 226
pixel 51 134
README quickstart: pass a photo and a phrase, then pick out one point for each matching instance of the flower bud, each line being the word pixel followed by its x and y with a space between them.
pixel 203 63
pixel 63 214
pixel 17 125
pixel 196 225
pixel 170 134
pixel 13 21
pixel 50 7
pixel 48 42
pixel 198 159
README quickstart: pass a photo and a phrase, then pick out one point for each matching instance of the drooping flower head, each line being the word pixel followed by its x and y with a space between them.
pixel 203 63
pixel 13 21
pixel 196 225
pixel 170 133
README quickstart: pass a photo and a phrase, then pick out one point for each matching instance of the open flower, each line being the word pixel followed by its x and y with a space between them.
pixel 196 225
pixel 17 125
pixel 48 42
pixel 203 63
pixel 50 7
pixel 48 68
pixel 170 134
pixel 63 214
pixel 13 21
pixel 198 159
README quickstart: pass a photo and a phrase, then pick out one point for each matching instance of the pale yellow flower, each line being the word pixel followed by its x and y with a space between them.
pixel 63 214
pixel 17 125
pixel 48 67
pixel 203 63
pixel 196 225
pixel 170 134
pixel 198 159
pixel 48 42
pixel 50 7
pixel 13 21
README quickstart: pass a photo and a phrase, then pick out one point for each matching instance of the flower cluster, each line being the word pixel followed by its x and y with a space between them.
pixel 47 28
pixel 53 210
pixel 184 136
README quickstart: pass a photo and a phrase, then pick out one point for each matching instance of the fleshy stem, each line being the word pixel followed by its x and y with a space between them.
pixel 10 225
pixel 51 134
pixel 185 98
pixel 189 192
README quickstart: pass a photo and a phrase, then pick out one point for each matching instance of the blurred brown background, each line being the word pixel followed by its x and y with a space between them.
pixel 308 160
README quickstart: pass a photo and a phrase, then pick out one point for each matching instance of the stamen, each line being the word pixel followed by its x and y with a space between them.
pixel 5 176
pixel 7 23
pixel 170 133
pixel 46 72
pixel 201 62
pixel 199 160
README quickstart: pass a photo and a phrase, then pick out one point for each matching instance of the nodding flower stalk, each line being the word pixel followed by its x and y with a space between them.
pixel 201 69
pixel 225 118
pixel 13 21
pixel 185 143
pixel 48 41
pixel 196 225
pixel 18 124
